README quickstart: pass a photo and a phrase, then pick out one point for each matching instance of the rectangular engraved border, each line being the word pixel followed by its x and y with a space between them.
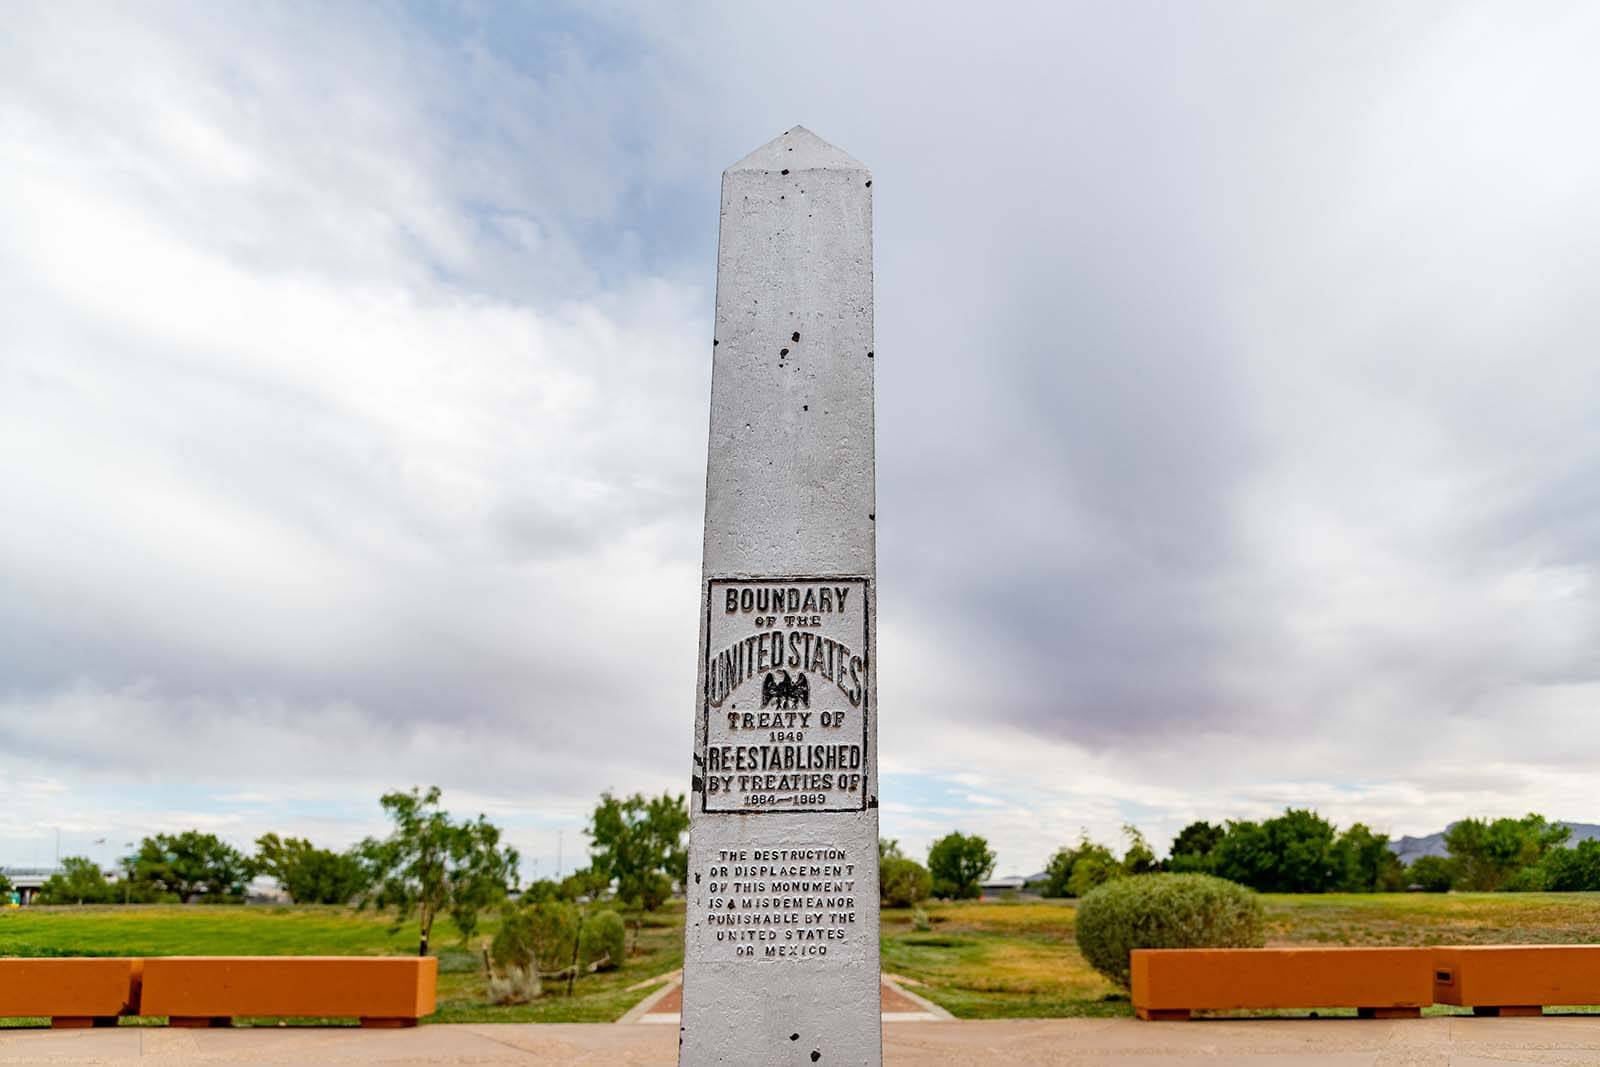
pixel 866 696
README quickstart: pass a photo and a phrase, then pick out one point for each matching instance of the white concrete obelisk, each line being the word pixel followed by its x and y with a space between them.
pixel 781 942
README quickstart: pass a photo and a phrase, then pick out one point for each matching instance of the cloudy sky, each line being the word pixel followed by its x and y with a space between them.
pixel 1237 383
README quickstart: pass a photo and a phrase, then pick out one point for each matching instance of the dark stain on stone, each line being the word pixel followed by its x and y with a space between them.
pixel 869 355
pixel 869 183
pixel 715 342
pixel 794 1037
pixel 696 877
pixel 805 407
pixel 783 351
pixel 815 1055
pixel 785 170
pixel 695 784
pixel 872 516
pixel 872 802
pixel 795 336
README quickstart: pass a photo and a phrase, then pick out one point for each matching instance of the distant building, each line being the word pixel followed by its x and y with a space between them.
pixel 1009 885
pixel 27 881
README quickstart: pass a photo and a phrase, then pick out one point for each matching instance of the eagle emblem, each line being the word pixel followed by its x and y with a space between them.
pixel 785 693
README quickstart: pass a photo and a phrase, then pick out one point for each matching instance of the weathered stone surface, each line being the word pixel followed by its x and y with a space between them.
pixel 781 961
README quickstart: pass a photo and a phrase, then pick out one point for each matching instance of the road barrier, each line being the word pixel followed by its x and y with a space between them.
pixel 70 992
pixel 1516 979
pixel 1381 983
pixel 213 990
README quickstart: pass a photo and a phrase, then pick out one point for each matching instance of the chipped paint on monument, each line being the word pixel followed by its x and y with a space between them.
pixel 781 934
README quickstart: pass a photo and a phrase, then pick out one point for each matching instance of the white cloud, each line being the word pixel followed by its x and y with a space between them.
pixel 1235 375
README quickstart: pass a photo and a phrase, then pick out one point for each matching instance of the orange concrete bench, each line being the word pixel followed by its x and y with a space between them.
pixel 71 992
pixel 211 990
pixel 1381 983
pixel 1516 979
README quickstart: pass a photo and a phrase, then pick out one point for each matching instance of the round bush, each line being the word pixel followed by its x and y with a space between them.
pixel 1164 911
pixel 604 937
pixel 513 944
pixel 538 936
pixel 903 883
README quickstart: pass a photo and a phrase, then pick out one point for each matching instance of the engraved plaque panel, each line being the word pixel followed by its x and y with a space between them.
pixel 786 695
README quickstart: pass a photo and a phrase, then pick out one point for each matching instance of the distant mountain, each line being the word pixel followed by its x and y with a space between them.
pixel 1410 848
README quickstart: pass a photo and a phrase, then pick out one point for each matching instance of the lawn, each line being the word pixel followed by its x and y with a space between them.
pixel 1009 959
pixel 197 930
pixel 1019 959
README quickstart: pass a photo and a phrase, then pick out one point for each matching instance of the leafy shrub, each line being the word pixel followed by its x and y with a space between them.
pixel 552 930
pixel 920 921
pixel 514 972
pixel 903 883
pixel 513 942
pixel 603 941
pixel 1164 911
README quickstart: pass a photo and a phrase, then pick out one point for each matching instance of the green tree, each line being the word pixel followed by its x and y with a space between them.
pixel 1292 853
pixel 311 875
pixel 540 890
pixel 888 848
pixel 639 842
pixel 190 865
pixel 1431 874
pixel 1194 847
pixel 1573 870
pixel 1140 857
pixel 431 864
pixel 958 862
pixel 1244 854
pixel 1072 872
pixel 584 883
pixel 1367 863
pixel 5 887
pixel 903 882
pixel 80 881
pixel 1490 853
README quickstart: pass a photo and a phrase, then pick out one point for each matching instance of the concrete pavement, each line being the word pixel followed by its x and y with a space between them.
pixel 1432 1042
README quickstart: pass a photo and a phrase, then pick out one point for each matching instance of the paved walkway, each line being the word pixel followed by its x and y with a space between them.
pixel 1435 1042
pixel 896 1004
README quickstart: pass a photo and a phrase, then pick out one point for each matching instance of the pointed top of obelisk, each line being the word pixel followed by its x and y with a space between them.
pixel 798 149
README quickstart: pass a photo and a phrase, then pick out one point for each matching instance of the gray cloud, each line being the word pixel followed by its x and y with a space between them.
pixel 1234 402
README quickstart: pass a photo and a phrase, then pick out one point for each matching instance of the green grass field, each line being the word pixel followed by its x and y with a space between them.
pixel 989 960
pixel 1020 959
pixel 171 930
